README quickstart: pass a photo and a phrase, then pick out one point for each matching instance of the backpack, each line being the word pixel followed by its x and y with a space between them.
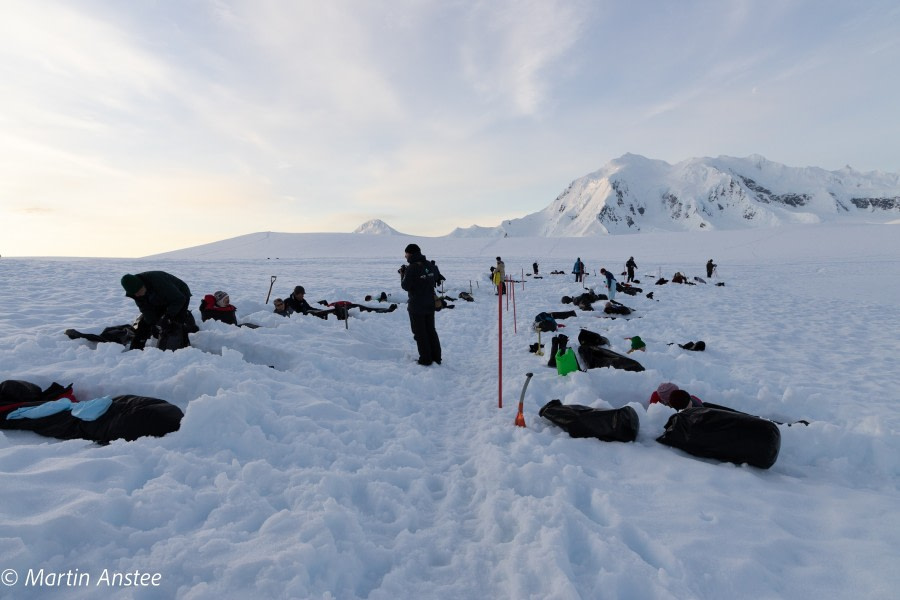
pixel 544 322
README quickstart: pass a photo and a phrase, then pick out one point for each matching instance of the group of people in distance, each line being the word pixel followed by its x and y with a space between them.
pixel 163 300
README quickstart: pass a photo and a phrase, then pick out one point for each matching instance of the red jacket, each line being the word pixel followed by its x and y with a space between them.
pixel 209 310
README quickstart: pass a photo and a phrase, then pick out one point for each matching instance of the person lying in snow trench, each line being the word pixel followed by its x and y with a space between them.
pixel 218 307
pixel 672 396
pixel 296 303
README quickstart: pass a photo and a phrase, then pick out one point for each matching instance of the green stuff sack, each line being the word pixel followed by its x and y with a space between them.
pixel 566 362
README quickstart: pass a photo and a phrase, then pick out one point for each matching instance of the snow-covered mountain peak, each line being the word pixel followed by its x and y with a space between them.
pixel 633 193
pixel 377 227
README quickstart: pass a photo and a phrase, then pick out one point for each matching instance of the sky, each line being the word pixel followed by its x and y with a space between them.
pixel 132 128
pixel 316 460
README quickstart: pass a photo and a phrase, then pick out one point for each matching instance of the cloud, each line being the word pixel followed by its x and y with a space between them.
pixel 510 48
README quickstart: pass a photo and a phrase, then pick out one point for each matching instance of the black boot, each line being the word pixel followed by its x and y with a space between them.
pixel 554 345
pixel 563 343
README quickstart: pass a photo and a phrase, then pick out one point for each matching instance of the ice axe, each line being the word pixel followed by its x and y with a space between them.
pixel 271 283
pixel 520 416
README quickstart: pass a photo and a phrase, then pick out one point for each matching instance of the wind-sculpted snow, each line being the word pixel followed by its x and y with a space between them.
pixel 316 460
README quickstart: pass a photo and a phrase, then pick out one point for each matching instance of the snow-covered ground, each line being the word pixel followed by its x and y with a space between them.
pixel 316 460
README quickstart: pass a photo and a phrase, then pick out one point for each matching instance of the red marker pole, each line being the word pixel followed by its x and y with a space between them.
pixel 515 321
pixel 506 283
pixel 499 347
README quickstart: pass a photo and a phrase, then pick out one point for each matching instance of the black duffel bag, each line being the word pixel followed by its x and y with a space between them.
pixel 724 435
pixel 611 425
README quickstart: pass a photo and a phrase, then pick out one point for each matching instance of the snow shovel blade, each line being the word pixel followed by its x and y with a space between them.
pixel 520 416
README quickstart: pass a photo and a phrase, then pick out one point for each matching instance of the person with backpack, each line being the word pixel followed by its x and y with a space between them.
pixel 710 268
pixel 578 270
pixel 630 266
pixel 610 283
pixel 534 268
pixel 418 281
pixel 163 301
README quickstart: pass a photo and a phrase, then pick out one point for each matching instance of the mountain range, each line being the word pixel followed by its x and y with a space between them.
pixel 631 194
pixel 635 194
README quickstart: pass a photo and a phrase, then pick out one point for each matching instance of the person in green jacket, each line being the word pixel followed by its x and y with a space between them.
pixel 163 301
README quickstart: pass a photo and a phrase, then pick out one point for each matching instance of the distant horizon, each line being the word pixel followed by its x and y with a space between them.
pixel 680 245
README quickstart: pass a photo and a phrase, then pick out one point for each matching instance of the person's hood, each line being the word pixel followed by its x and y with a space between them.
pixel 665 391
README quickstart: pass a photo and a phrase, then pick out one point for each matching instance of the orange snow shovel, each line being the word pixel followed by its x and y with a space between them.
pixel 520 416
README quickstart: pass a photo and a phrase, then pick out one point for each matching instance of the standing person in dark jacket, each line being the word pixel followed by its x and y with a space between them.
pixel 578 269
pixel 163 301
pixel 710 268
pixel 630 266
pixel 418 281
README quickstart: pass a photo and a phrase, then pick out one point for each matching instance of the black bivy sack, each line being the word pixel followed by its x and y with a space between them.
pixel 119 334
pixel 128 417
pixel 724 435
pixel 595 357
pixel 587 337
pixel 608 425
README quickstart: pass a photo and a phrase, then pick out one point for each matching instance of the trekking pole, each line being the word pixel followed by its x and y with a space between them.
pixel 271 283
pixel 520 416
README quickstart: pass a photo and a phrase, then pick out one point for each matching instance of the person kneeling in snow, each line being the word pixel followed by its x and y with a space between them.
pixel 163 301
